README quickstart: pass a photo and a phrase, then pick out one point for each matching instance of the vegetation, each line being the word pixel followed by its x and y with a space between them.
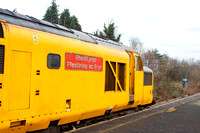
pixel 69 21
pixel 65 19
pixel 168 75
pixel 109 32
pixel 136 44
pixel 51 14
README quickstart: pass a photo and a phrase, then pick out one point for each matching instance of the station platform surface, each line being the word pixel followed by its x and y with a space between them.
pixel 182 115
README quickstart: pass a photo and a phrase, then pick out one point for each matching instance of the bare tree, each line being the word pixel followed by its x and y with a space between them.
pixel 136 44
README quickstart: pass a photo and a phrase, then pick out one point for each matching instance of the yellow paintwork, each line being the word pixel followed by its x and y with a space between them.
pixel 26 53
pixel 148 95
pixel 141 93
pixel 20 80
pixel 132 69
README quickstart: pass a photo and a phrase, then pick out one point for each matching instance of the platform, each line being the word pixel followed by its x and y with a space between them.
pixel 182 115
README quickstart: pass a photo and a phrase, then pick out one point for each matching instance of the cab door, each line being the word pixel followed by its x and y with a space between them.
pixel 2 56
pixel 138 80
pixel 132 76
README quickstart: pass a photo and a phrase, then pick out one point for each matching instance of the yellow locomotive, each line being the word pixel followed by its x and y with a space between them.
pixel 52 75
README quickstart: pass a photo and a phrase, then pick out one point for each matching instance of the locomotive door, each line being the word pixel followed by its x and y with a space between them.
pixel 138 80
pixel 20 80
pixel 131 86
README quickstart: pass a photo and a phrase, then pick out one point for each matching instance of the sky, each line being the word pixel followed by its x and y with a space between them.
pixel 171 26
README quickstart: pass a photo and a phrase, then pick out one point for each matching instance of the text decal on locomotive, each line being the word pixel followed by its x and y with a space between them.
pixel 83 62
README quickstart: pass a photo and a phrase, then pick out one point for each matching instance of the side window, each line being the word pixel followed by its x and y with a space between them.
pixel 110 79
pixel 1 31
pixel 2 51
pixel 121 75
pixel 111 76
pixel 138 64
pixel 147 79
pixel 53 61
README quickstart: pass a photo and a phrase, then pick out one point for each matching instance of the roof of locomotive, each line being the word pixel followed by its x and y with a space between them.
pixel 33 23
pixel 147 70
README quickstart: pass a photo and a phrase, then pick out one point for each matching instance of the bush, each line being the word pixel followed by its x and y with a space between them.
pixel 168 75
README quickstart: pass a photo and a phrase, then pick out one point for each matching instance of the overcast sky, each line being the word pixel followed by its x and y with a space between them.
pixel 171 26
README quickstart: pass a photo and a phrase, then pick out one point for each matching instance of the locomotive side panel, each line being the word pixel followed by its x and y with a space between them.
pixel 58 94
pixel 51 74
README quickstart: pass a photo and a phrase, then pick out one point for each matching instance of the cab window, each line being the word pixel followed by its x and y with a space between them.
pixel 147 79
pixel 138 63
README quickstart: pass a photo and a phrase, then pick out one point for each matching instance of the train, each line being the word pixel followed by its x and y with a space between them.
pixel 51 75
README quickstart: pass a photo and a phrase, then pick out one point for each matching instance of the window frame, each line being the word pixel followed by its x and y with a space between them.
pixel 50 65
pixel 138 63
pixel 2 60
pixel 111 82
pixel 148 79
pixel 109 77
